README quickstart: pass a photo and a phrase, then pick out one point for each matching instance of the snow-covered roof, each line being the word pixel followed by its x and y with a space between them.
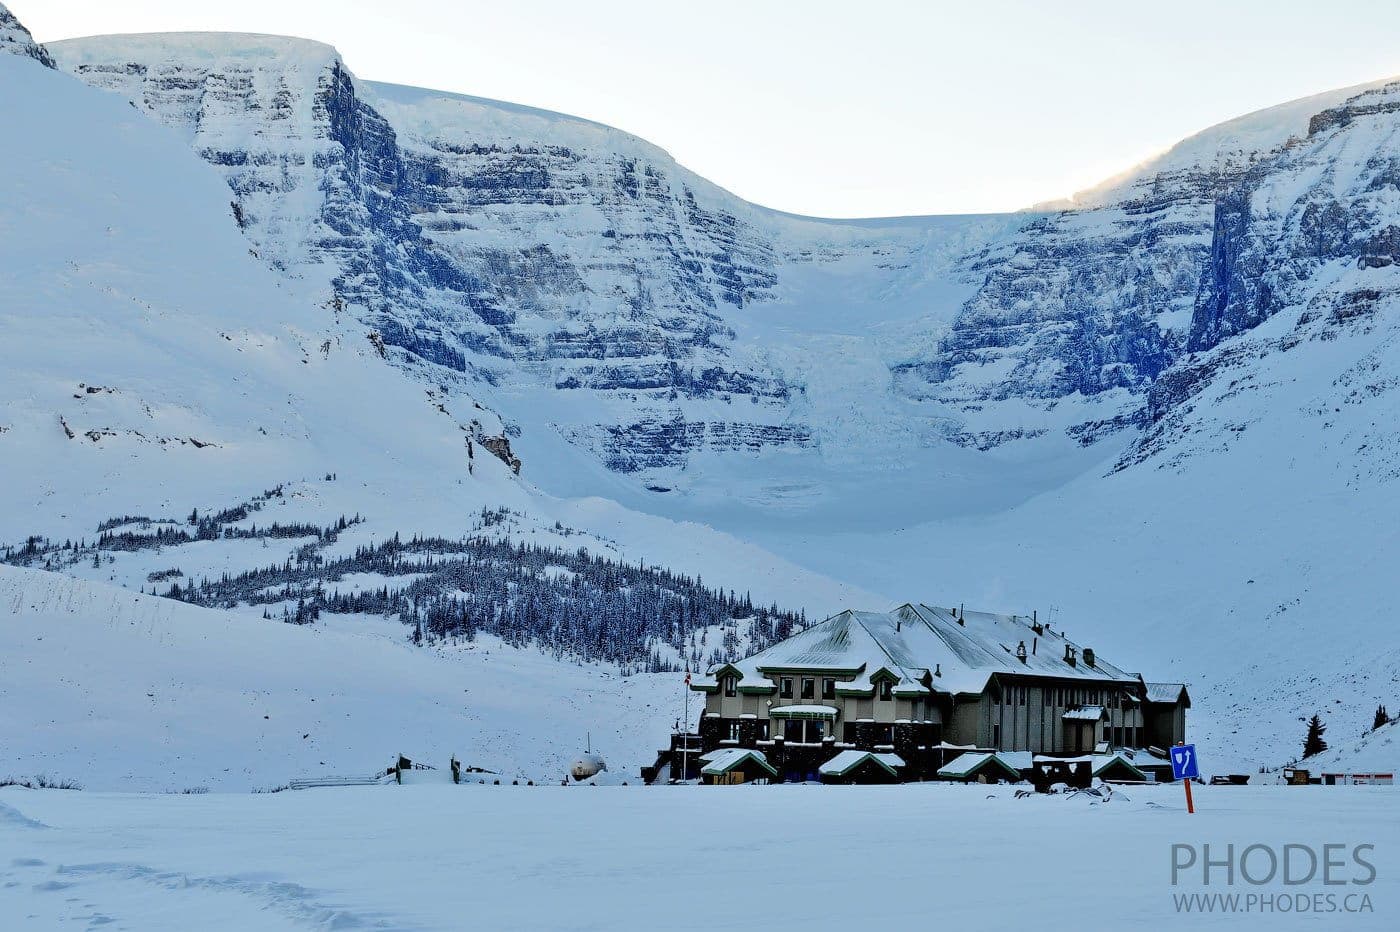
pixel 925 647
pixel 1085 713
pixel 846 761
pixel 728 759
pixel 965 765
pixel 1101 762
pixel 1164 692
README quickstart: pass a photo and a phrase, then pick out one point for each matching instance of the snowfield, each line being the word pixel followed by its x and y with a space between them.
pixel 687 858
pixel 116 690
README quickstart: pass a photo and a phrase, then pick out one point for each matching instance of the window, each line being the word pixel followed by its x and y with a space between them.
pixel 828 688
pixel 785 690
pixel 1021 695
pixel 729 684
pixel 886 689
pixel 809 688
pixel 996 735
pixel 799 731
pixel 734 730
pixel 763 731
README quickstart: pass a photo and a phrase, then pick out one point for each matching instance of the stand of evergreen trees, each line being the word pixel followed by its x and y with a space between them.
pixel 570 603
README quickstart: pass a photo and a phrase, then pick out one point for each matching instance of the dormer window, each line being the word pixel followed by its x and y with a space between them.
pixel 886 689
pixel 730 685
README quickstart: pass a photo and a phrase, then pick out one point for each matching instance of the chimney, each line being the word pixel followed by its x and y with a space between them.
pixel 1021 652
pixel 937 669
pixel 1069 656
pixel 1034 642
pixel 962 614
pixel 1035 622
pixel 1088 656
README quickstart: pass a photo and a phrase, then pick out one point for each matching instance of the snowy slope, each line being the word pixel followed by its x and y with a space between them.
pixel 120 691
pixel 1376 751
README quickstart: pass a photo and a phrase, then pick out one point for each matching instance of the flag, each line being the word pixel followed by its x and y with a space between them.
pixel 687 677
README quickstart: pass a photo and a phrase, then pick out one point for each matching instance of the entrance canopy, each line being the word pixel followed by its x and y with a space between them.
pixel 804 711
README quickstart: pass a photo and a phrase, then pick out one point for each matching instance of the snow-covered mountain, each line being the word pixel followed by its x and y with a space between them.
pixel 1165 407
pixel 621 302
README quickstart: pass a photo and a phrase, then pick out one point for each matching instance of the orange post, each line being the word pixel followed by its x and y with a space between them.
pixel 1190 806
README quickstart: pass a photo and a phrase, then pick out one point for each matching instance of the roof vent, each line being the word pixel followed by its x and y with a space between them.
pixel 1069 656
pixel 937 669
pixel 1088 656
pixel 1021 652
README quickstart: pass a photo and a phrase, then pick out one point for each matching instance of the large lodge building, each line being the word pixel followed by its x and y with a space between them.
pixel 920 687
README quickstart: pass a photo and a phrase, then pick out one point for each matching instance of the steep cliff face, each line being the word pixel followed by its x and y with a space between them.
pixel 1096 302
pixel 590 286
pixel 16 40
pixel 610 293
pixel 1322 205
pixel 1302 272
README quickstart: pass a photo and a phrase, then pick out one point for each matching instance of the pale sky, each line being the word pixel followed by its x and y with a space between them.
pixel 842 109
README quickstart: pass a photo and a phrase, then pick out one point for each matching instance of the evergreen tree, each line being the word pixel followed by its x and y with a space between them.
pixel 1313 743
pixel 1382 718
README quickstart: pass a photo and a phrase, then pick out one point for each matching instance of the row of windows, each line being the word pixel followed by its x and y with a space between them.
pixel 809 687
pixel 1066 696
pixel 1117 737
pixel 812 732
pixel 730 684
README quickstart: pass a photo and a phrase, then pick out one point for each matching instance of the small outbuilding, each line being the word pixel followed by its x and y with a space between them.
pixel 737 765
pixel 982 767
pixel 1115 768
pixel 852 766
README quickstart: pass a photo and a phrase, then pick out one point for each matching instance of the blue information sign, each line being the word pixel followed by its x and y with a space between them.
pixel 1184 765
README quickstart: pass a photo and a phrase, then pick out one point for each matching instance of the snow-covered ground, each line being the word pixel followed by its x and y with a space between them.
pixel 689 858
pixel 116 690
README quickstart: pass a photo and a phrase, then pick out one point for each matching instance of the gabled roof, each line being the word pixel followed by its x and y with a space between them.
pixel 1169 693
pixel 968 765
pixel 1102 762
pixel 849 760
pixel 730 758
pixel 951 650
